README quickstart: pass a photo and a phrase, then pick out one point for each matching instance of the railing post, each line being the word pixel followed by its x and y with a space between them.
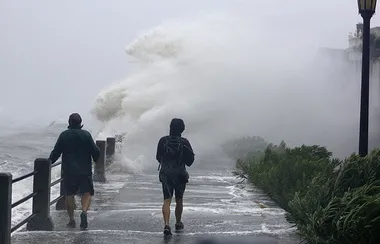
pixel 99 172
pixel 61 204
pixel 41 202
pixel 5 207
pixel 110 149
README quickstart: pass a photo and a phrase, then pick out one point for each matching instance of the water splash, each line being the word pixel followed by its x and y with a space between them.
pixel 226 80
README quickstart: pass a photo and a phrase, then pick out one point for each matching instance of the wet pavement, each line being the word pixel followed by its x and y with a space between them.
pixel 215 206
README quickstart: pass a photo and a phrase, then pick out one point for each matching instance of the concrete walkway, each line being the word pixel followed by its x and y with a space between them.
pixel 215 206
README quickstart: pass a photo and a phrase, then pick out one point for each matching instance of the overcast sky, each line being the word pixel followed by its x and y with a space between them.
pixel 57 55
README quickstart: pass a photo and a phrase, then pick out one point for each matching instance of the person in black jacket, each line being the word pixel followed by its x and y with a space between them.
pixel 77 148
pixel 173 153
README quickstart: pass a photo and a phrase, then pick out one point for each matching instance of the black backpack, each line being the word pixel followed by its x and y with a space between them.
pixel 172 165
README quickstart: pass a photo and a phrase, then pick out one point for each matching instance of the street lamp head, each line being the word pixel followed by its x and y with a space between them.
pixel 367 7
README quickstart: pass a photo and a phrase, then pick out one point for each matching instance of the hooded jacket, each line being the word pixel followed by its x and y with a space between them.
pixel 177 126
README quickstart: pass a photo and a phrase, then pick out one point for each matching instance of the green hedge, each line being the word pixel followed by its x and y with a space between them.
pixel 328 200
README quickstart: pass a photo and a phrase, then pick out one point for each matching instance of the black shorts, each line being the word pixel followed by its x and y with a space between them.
pixel 169 188
pixel 78 184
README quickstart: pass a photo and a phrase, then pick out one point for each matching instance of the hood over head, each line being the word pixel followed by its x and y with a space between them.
pixel 177 126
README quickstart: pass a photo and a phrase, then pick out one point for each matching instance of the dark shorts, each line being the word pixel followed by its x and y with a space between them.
pixel 78 184
pixel 169 188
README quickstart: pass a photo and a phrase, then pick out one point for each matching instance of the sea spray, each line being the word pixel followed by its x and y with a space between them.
pixel 227 77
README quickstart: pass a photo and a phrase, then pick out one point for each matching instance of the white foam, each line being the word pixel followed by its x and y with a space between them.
pixel 123 164
pixel 110 186
pixel 215 178
pixel 200 233
pixel 22 189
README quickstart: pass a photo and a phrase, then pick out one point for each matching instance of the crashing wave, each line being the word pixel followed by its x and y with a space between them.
pixel 225 81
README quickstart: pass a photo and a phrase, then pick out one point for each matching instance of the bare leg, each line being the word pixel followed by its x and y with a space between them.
pixel 178 210
pixel 166 210
pixel 70 205
pixel 86 202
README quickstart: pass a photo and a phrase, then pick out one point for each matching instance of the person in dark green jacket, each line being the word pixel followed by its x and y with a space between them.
pixel 77 148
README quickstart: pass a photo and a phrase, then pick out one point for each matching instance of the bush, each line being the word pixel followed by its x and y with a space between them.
pixel 328 200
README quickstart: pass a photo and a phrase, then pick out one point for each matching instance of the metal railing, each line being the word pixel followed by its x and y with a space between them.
pixel 40 218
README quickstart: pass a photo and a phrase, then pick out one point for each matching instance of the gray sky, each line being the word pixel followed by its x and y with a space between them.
pixel 57 55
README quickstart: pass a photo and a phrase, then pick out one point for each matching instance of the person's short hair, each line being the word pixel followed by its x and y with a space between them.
pixel 75 119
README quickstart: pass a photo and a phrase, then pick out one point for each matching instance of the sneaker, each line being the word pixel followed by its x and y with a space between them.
pixel 167 230
pixel 179 226
pixel 71 224
pixel 83 221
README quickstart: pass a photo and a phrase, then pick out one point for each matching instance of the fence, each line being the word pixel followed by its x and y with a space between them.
pixel 40 218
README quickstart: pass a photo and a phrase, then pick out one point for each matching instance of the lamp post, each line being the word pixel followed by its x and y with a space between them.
pixel 366 10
